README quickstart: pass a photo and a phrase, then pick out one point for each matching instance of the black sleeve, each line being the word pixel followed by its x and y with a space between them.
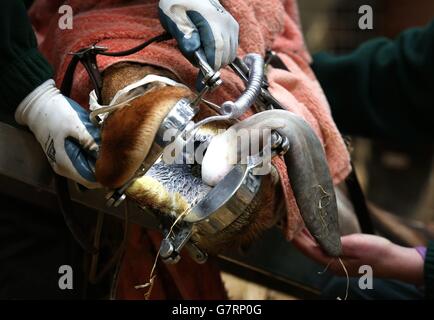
pixel 22 66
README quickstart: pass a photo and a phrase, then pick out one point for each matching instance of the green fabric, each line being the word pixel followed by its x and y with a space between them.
pixel 385 88
pixel 22 66
pixel 429 271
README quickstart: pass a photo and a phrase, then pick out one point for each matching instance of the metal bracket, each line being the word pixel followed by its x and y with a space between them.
pixel 87 57
pixel 172 245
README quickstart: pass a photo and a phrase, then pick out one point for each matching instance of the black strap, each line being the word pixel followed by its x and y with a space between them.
pixel 87 57
pixel 358 200
pixel 160 38
pixel 66 208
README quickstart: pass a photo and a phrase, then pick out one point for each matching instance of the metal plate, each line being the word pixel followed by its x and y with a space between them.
pixel 226 201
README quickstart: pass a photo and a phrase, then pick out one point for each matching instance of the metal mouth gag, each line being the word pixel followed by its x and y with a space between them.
pixel 184 111
pixel 225 202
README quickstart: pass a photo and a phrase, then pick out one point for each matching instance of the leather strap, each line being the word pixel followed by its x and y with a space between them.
pixel 87 57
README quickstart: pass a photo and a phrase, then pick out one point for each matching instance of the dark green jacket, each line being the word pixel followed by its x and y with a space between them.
pixel 385 89
pixel 22 67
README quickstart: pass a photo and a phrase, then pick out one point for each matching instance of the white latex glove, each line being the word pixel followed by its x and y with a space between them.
pixel 201 24
pixel 63 129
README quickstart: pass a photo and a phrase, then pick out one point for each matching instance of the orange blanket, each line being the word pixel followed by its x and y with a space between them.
pixel 274 24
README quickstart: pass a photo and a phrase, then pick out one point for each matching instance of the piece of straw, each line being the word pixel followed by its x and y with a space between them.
pixel 153 275
pixel 346 274
pixel 348 279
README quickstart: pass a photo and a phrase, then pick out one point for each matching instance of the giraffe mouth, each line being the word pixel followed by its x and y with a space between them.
pixel 171 189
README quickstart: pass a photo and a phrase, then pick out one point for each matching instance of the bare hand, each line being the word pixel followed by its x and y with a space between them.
pixel 387 259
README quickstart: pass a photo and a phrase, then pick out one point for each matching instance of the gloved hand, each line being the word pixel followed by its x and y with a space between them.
pixel 63 129
pixel 201 23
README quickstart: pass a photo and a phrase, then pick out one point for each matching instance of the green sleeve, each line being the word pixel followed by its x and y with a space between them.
pixel 22 66
pixel 385 88
pixel 429 271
